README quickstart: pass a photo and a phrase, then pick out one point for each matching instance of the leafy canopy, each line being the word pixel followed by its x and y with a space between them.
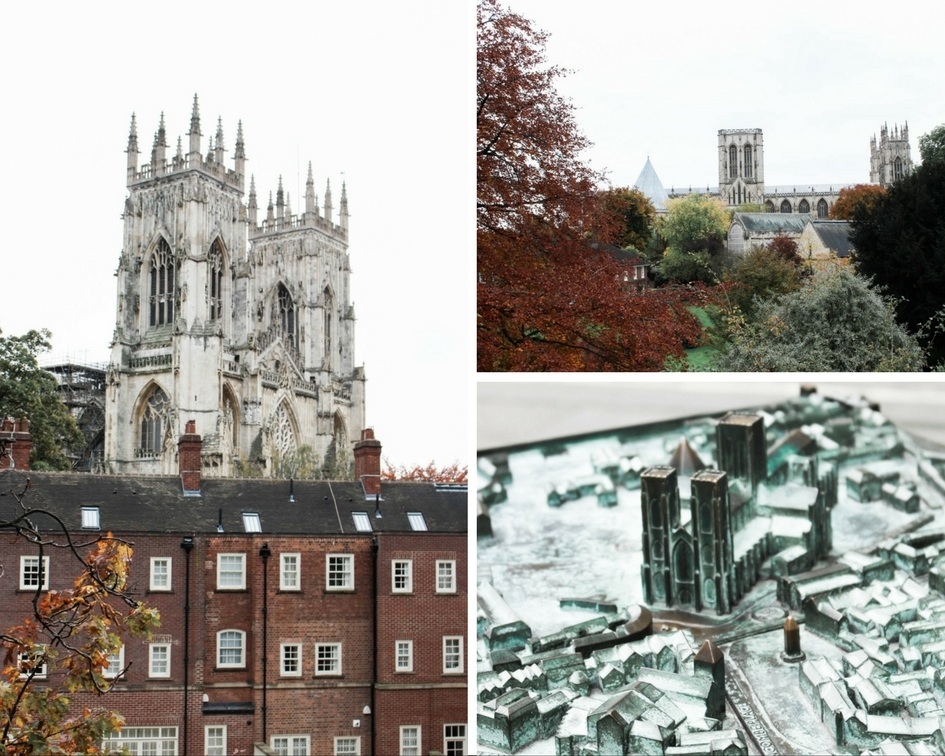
pixel 835 323
pixel 852 198
pixel 899 242
pixel 634 215
pixel 761 275
pixel 27 391
pixel 932 146
pixel 545 299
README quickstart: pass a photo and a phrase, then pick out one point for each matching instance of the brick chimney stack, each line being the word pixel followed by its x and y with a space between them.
pixel 367 462
pixel 16 443
pixel 188 454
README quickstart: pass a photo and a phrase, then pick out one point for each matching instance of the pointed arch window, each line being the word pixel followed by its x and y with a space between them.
pixel 152 423
pixel 822 208
pixel 803 206
pixel 215 284
pixel 329 308
pixel 769 206
pixel 732 161
pixel 161 280
pixel 897 169
pixel 282 433
pixel 748 160
pixel 785 206
pixel 287 318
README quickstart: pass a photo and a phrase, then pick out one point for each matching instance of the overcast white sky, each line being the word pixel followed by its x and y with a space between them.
pixel 375 93
pixel 661 78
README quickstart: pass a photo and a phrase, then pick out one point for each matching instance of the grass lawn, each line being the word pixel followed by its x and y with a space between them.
pixel 700 358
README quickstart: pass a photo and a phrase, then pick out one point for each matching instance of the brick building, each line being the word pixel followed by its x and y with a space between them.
pixel 305 617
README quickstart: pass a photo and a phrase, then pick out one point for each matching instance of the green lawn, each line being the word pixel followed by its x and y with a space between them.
pixel 703 357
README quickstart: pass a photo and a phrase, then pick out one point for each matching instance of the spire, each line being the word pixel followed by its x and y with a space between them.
pixel 218 153
pixel 269 216
pixel 132 149
pixel 309 191
pixel 280 201
pixel 179 155
pixel 157 150
pixel 194 132
pixel 328 201
pixel 343 206
pixel 239 154
pixel 210 151
pixel 288 207
pixel 252 201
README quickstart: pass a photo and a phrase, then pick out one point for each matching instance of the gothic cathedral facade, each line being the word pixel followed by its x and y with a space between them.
pixel 240 323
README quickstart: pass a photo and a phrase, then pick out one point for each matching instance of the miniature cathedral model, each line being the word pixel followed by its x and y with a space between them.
pixel 709 555
pixel 241 323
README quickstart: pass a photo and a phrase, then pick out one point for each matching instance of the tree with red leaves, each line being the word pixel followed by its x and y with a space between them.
pixel 546 300
pixel 785 247
pixel 430 472
pixel 852 197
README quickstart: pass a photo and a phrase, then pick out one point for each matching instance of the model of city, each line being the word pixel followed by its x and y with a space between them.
pixel 763 581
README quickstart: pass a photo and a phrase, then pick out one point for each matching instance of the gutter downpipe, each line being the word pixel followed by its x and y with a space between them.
pixel 187 544
pixel 265 553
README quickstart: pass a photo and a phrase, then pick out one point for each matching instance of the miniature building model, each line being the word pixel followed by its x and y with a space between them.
pixel 242 323
pixel 710 559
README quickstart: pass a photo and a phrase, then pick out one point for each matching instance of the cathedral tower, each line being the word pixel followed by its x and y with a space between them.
pixel 890 158
pixel 659 489
pixel 741 166
pixel 712 535
pixel 244 327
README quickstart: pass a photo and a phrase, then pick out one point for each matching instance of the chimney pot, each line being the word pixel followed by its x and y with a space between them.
pixel 188 448
pixel 367 462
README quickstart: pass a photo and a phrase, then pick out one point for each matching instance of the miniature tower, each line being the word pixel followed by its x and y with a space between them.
pixel 890 157
pixel 712 535
pixel 741 166
pixel 710 662
pixel 742 453
pixel 254 344
pixel 659 494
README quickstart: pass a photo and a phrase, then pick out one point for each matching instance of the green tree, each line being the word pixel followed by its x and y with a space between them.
pixel 71 632
pixel 899 242
pixel 694 230
pixel 632 213
pixel 836 322
pixel 761 275
pixel 28 391
pixel 932 146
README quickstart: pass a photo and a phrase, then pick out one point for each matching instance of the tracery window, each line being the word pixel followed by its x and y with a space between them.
pixel 287 320
pixel 803 206
pixel 152 422
pixel 161 285
pixel 732 161
pixel 215 284
pixel 785 207
pixel 822 208
pixel 897 169
pixel 329 307
pixel 748 160
pixel 283 437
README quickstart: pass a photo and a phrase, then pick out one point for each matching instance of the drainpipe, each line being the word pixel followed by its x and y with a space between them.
pixel 374 663
pixel 187 544
pixel 265 553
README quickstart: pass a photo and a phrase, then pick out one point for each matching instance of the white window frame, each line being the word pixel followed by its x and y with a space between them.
pixel 415 732
pixel 291 744
pixel 91 518
pixel 27 664
pixel 241 662
pixel 116 664
pixel 251 522
pixel 296 574
pixel 457 739
pixel 152 671
pixel 298 660
pixel 218 750
pixel 34 563
pixel 441 585
pixel 405 566
pixel 335 659
pixel 346 571
pixel 417 521
pixel 231 586
pixel 153 584
pixel 354 740
pixel 362 522
pixel 451 667
pixel 407 647
pixel 157 736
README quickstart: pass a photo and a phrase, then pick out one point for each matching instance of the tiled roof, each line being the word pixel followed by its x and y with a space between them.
pixel 757 224
pixel 143 504
pixel 835 235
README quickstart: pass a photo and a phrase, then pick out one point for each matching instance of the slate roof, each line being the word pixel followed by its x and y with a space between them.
pixel 835 234
pixel 156 504
pixel 649 183
pixel 757 224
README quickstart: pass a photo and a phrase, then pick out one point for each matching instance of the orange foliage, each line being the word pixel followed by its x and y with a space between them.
pixel 853 197
pixel 430 472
